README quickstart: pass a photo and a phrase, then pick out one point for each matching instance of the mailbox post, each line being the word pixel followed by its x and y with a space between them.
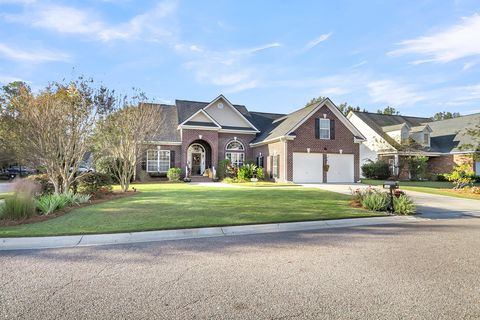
pixel 391 185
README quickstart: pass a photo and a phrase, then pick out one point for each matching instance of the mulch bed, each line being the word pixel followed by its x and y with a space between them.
pixel 61 212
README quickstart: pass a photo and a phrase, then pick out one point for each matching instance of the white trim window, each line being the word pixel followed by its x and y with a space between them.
pixel 324 129
pixel 234 154
pixel 426 138
pixel 158 160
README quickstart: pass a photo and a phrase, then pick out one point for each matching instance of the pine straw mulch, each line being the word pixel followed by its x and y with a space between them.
pixel 40 217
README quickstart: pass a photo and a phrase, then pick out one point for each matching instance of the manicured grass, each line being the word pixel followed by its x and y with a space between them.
pixel 171 206
pixel 443 188
pixel 264 184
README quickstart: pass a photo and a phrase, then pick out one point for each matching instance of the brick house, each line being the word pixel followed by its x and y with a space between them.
pixel 314 144
pixel 445 142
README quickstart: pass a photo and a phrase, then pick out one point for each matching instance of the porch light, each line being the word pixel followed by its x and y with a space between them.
pixel 235 138
pixel 341 151
pixel 308 150
pixel 200 136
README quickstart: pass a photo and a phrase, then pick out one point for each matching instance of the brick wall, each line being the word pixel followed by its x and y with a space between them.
pixel 268 151
pixel 305 138
pixel 245 139
pixel 445 164
pixel 190 135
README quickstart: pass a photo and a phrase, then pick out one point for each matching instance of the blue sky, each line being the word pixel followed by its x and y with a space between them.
pixel 418 56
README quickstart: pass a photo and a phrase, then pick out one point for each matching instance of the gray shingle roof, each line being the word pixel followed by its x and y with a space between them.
pixel 167 123
pixel 281 127
pixel 449 135
pixel 446 136
pixel 378 122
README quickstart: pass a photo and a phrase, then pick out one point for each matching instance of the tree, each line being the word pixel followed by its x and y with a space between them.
pixel 344 108
pixel 121 137
pixel 8 95
pixel 389 110
pixel 53 129
pixel 445 115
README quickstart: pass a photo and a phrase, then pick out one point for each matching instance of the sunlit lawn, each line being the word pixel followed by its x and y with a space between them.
pixel 171 206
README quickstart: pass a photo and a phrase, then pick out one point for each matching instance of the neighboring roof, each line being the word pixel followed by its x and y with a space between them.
pixel 449 135
pixel 446 135
pixel 394 127
pixel 167 123
pixel 381 122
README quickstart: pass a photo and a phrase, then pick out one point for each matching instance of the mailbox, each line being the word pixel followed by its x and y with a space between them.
pixel 390 185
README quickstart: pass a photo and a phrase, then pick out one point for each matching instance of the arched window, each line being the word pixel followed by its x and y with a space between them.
pixel 234 153
pixel 235 145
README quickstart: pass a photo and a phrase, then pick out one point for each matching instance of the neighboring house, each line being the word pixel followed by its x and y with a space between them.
pixel 393 138
pixel 313 144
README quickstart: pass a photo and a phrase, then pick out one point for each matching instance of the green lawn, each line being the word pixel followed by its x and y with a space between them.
pixel 170 206
pixel 264 184
pixel 3 195
pixel 444 188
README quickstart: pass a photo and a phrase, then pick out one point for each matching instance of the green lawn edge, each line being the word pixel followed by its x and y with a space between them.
pixel 156 210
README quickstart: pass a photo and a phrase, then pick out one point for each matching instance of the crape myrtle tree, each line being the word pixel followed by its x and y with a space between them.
pixel 121 138
pixel 53 129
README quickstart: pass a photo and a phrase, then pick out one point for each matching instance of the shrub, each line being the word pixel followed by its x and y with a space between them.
pixel 49 203
pixel 173 174
pixel 94 183
pixel 403 204
pixel 441 177
pixel 461 176
pixel 376 170
pixel 44 183
pixel 17 207
pixel 417 167
pixel 222 168
pixel 247 171
pixel 260 174
pixel 375 201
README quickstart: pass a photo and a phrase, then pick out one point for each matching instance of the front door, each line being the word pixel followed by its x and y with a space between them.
pixel 196 164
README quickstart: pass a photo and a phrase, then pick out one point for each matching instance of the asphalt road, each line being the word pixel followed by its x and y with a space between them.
pixel 425 270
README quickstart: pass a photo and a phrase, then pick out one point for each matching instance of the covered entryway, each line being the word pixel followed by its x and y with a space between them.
pixel 199 157
pixel 307 167
pixel 341 168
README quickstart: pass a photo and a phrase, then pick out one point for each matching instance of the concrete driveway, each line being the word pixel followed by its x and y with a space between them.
pixel 428 205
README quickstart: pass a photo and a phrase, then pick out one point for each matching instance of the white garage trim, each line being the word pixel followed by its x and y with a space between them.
pixel 307 167
pixel 341 168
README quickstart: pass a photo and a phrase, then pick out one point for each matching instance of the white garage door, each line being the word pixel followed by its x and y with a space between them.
pixel 340 168
pixel 307 167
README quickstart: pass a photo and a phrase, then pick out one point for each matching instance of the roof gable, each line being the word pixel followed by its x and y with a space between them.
pixel 226 114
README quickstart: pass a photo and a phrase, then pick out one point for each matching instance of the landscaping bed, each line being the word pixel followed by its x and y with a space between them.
pixel 175 206
pixel 61 212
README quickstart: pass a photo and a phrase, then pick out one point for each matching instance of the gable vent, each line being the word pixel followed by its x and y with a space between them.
pixel 220 105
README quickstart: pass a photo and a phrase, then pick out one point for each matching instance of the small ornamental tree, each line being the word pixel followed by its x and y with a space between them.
pixel 120 139
pixel 461 176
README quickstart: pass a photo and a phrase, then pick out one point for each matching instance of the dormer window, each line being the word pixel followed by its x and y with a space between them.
pixel 404 136
pixel 426 139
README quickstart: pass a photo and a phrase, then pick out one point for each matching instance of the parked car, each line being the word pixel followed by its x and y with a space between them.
pixel 20 171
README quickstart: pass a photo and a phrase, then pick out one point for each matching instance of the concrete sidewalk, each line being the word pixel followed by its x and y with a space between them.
pixel 163 235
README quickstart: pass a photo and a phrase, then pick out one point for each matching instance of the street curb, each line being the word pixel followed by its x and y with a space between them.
pixel 29 243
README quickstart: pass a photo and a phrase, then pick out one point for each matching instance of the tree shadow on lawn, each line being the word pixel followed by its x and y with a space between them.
pixel 161 251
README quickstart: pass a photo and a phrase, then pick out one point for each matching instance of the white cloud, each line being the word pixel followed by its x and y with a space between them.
pixel 315 42
pixel 151 25
pixel 36 56
pixel 393 93
pixel 229 69
pixel 7 79
pixel 457 42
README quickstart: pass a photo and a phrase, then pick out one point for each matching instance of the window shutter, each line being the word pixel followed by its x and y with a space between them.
pixel 332 129
pixel 172 159
pixel 317 128
pixel 271 166
pixel 278 166
pixel 144 163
